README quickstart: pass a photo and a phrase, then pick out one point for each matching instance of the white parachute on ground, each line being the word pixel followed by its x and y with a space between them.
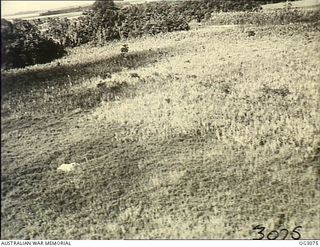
pixel 68 167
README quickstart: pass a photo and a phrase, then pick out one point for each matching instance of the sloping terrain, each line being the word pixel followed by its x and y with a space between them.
pixel 200 134
pixel 295 4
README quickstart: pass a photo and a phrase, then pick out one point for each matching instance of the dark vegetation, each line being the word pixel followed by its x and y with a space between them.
pixel 23 45
pixel 271 1
pixel 42 40
pixel 106 21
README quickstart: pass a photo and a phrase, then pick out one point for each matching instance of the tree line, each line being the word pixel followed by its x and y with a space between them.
pixel 42 40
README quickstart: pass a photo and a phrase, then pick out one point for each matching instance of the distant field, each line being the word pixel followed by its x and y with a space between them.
pixel 296 4
pixel 36 16
pixel 200 134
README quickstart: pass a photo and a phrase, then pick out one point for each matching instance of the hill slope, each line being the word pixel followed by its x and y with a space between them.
pixel 200 134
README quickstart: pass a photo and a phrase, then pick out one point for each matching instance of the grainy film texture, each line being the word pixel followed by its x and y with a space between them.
pixel 160 120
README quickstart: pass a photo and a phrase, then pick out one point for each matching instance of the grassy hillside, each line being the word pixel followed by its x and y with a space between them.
pixel 200 134
pixel 294 4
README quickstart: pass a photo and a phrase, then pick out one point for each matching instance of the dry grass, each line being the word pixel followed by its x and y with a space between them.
pixel 294 4
pixel 283 16
pixel 207 133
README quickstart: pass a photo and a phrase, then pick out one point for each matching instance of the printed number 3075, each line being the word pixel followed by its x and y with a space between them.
pixel 273 235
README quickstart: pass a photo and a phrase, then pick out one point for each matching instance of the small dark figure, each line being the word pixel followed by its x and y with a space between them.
pixel 106 76
pixel 281 220
pixel 101 85
pixel 134 75
pixel 251 33
pixel 125 49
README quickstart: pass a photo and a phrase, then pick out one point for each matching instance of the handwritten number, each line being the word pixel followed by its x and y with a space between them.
pixel 261 228
pixel 295 231
pixel 287 232
pixel 275 237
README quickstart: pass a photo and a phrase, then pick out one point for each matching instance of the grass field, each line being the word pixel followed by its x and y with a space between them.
pixel 294 4
pixel 199 134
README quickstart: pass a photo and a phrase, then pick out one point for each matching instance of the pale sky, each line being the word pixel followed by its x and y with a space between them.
pixel 9 7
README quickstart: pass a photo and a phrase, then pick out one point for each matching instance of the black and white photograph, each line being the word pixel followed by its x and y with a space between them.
pixel 160 120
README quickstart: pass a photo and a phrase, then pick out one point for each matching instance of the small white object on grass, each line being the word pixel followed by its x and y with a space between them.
pixel 67 167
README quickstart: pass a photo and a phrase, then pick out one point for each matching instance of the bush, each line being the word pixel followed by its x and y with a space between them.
pixel 99 27
pixel 23 45
pixel 105 22
pixel 199 10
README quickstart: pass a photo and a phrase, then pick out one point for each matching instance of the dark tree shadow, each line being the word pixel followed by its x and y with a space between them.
pixel 25 80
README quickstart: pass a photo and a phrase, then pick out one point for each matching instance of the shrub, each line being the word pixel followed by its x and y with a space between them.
pixel 23 45
pixel 105 22
pixel 99 27
pixel 198 10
